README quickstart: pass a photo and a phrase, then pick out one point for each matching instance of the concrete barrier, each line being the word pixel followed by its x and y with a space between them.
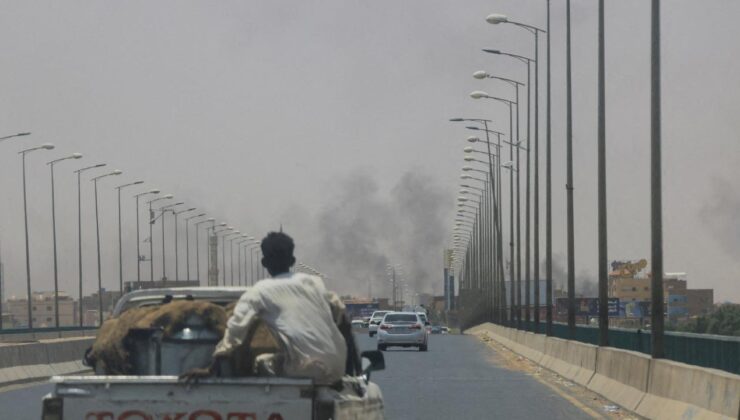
pixel 26 362
pixel 621 376
pixel 653 388
pixel 570 359
pixel 677 390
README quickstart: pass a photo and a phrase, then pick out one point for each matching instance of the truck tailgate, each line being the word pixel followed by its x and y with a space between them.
pixel 164 397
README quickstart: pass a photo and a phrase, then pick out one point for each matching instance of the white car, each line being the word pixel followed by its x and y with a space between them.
pixel 425 321
pixel 402 329
pixel 375 320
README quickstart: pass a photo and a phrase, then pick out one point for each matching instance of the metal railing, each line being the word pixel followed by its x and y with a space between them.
pixel 706 350
pixel 24 334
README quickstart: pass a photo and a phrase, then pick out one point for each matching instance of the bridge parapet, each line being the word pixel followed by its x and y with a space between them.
pixel 33 361
pixel 654 388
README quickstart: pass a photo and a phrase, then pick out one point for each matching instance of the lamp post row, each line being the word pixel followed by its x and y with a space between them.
pixel 464 252
pixel 52 166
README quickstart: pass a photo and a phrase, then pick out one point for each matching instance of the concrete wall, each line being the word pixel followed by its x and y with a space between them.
pixel 25 362
pixel 654 388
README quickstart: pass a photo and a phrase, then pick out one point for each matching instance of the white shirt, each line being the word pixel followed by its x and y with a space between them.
pixel 298 309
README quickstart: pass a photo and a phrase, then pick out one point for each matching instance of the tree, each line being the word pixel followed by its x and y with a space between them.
pixel 724 321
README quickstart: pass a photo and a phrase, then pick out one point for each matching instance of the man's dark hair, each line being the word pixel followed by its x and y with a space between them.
pixel 277 253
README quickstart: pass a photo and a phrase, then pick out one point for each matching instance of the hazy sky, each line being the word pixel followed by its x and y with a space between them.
pixel 330 118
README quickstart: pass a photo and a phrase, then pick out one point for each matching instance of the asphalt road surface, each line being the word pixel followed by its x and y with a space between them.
pixel 455 379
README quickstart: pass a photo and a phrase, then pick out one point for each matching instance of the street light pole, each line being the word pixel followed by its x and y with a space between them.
pixel 548 194
pixel 163 212
pixel 14 135
pixel 197 246
pixel 54 234
pixel 569 181
pixel 177 253
pixel 138 239
pixel 603 270
pixel 152 219
pixel 120 235
pixel 79 232
pixel 97 233
pixel 187 242
pixel 23 153
pixel 656 190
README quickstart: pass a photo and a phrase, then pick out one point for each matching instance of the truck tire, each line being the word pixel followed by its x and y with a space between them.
pixel 423 347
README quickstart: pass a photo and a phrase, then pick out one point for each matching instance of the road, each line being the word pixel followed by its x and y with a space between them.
pixel 456 379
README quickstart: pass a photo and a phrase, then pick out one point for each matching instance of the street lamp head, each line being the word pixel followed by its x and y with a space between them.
pixel 463 199
pixel 168 196
pixel 478 94
pixel 47 146
pixel 137 183
pixel 237 232
pixel 76 155
pixel 491 51
pixel 496 18
pixel 468 158
pixel 200 215
pixel 509 164
pixel 116 172
pixel 154 191
pixel 222 224
pixel 467 168
pixel 99 165
pixel 457 119
pixel 465 176
pixel 468 149
pixel 191 209
pixel 22 134
pixel 210 219
pixel 480 74
pixel 473 139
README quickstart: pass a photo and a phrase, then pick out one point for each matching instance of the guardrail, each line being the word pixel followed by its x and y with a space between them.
pixel 653 388
pixel 706 350
pixel 24 334
pixel 39 360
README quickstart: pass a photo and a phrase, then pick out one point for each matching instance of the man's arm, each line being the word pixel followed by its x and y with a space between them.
pixel 353 364
pixel 237 328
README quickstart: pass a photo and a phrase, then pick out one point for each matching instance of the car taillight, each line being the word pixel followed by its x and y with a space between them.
pixel 385 327
pixel 53 408
pixel 415 327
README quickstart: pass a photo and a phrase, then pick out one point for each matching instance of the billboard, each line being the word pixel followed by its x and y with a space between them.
pixel 586 306
pixel 360 310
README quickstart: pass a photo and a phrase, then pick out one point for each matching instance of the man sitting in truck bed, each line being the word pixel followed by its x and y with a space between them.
pixel 307 319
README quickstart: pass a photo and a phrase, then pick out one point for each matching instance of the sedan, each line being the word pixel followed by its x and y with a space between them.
pixel 402 329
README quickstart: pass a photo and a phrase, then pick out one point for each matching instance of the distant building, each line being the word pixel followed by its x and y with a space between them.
pixel 43 310
pixel 91 305
pixel 699 301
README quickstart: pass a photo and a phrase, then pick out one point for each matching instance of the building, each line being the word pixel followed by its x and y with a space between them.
pixel 43 310
pixel 699 301
pixel 626 283
pixel 91 306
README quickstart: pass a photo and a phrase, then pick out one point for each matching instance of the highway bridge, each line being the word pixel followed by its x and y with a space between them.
pixel 489 372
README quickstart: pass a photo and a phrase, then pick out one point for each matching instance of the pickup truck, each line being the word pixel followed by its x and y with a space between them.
pixel 156 393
